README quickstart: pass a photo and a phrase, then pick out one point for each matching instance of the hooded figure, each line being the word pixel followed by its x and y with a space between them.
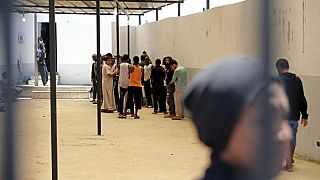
pixel 219 99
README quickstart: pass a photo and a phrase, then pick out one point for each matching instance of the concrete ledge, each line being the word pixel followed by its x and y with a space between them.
pixel 31 91
pixel 61 95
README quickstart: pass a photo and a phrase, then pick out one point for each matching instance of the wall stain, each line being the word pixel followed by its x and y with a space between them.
pixel 289 33
pixel 303 24
pixel 220 29
pixel 283 30
pixel 292 36
pixel 208 32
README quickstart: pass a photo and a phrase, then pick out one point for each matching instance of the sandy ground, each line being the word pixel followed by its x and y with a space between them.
pixel 149 148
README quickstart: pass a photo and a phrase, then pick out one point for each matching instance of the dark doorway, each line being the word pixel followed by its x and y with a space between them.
pixel 45 35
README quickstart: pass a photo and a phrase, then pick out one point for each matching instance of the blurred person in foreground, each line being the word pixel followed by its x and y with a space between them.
pixel 298 105
pixel 225 102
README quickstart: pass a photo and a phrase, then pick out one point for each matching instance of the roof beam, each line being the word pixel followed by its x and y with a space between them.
pixel 83 13
pixel 83 7
pixel 150 1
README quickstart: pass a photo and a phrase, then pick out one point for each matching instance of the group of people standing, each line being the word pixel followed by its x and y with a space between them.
pixel 122 85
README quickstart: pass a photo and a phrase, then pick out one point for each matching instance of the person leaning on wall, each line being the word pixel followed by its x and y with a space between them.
pixel 224 101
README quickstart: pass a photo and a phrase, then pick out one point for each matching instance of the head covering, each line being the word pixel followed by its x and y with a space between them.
pixel 218 96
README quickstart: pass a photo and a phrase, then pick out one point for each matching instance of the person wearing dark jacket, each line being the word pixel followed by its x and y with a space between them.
pixel 170 87
pixel 298 104
pixel 94 79
pixel 225 102
pixel 159 91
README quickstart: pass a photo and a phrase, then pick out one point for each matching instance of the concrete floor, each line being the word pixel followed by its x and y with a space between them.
pixel 149 148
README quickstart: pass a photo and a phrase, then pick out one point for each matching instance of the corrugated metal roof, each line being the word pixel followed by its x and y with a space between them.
pixel 130 7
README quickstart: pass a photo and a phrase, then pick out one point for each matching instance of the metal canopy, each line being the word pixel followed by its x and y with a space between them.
pixel 129 7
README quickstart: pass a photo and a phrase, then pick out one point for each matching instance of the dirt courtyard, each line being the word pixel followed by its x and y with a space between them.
pixel 149 148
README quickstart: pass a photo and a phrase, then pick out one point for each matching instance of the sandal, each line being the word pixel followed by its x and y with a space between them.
pixel 176 118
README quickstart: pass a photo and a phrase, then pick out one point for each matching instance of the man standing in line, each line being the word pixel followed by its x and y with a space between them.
pixel 94 79
pixel 135 88
pixel 124 81
pixel 180 80
pixel 147 83
pixel 298 104
pixel 170 87
pixel 159 92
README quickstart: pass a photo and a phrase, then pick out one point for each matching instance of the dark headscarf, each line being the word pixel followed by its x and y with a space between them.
pixel 218 96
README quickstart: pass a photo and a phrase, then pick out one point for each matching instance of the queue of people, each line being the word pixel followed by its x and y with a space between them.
pixel 122 83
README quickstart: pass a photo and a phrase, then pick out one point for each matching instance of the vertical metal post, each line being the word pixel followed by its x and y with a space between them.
pixel 179 9
pixel 129 40
pixel 208 4
pixel 139 20
pixel 157 15
pixel 9 123
pixel 118 35
pixel 53 99
pixel 264 166
pixel 35 49
pixel 98 67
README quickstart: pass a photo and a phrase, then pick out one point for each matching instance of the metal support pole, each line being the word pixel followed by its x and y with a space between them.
pixel 9 123
pixel 53 98
pixel 157 15
pixel 208 4
pixel 98 68
pixel 179 9
pixel 264 167
pixel 129 40
pixel 139 20
pixel 118 34
pixel 36 70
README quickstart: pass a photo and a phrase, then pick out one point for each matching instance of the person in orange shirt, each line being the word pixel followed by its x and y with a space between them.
pixel 135 88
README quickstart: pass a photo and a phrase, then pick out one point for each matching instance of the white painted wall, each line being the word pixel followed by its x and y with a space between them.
pixel 23 51
pixel 76 42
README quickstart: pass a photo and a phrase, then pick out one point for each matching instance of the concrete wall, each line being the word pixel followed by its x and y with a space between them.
pixel 200 39
pixel 297 34
pixel 124 40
